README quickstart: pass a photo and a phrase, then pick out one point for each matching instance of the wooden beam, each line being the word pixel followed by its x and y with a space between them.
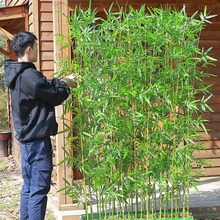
pixel 7 13
pixel 60 27
pixel 6 33
pixel 4 51
pixel 36 32
pixel 10 16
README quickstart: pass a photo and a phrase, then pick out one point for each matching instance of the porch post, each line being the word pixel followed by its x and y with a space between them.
pixel 60 27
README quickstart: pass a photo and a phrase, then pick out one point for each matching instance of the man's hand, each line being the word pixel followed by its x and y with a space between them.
pixel 69 80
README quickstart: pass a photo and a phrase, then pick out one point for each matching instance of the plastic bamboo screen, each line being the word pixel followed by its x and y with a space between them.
pixel 135 110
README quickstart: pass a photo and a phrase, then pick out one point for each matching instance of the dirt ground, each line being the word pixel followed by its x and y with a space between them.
pixel 10 185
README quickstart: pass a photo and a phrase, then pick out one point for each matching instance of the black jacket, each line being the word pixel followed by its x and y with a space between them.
pixel 33 99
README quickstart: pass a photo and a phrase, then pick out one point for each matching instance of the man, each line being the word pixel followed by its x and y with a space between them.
pixel 33 99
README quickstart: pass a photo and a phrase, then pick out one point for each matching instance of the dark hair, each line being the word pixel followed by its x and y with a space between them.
pixel 21 41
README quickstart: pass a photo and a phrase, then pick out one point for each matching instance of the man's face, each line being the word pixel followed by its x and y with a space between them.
pixel 33 52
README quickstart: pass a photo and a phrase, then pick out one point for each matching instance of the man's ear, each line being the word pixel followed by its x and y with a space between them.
pixel 28 49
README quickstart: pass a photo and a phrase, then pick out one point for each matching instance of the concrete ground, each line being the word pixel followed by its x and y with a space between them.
pixel 205 203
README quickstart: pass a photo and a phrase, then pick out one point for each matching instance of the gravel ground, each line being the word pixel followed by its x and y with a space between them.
pixel 10 185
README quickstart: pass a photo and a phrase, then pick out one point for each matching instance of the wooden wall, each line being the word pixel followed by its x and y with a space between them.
pixel 46 37
pixel 41 24
pixel 211 38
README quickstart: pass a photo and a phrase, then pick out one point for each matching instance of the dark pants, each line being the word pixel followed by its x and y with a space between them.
pixel 36 172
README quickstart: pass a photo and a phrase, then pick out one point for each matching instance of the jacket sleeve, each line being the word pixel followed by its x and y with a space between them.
pixel 54 92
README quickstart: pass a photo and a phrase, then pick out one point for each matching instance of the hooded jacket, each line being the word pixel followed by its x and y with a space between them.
pixel 33 99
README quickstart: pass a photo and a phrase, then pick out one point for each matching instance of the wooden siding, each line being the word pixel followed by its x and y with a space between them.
pixel 210 37
pixel 33 25
pixel 46 37
pixel 191 5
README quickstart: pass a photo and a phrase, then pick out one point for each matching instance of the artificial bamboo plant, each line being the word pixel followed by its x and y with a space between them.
pixel 136 109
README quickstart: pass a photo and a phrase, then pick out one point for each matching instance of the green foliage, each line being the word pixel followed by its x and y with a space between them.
pixel 4 123
pixel 136 108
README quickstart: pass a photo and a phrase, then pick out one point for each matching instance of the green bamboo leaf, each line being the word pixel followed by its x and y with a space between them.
pixel 87 134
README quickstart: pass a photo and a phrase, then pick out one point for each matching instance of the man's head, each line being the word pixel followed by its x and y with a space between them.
pixel 25 47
